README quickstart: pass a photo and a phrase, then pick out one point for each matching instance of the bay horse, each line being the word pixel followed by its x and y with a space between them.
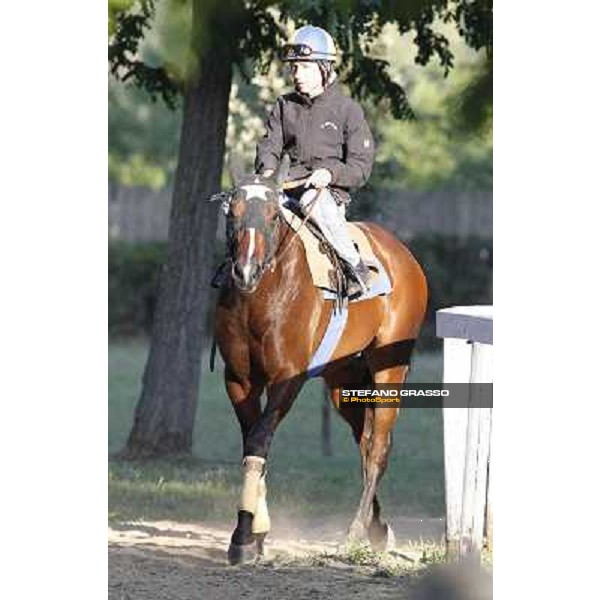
pixel 270 321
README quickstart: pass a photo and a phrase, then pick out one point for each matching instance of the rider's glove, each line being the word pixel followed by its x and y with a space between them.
pixel 320 178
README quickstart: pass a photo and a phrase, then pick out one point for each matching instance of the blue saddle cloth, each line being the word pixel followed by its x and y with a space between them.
pixel 335 329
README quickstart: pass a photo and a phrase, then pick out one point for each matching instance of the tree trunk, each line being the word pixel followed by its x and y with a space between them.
pixel 164 416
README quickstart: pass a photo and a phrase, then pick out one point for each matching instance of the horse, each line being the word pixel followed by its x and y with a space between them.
pixel 269 322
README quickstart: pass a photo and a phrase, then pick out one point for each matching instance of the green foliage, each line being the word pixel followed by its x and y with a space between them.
pixel 380 67
pixel 436 150
pixel 475 23
pixel 433 554
pixel 143 138
pixel 135 170
pixel 133 272
pixel 449 143
pixel 168 42
pixel 470 113
pixel 251 32
pixel 115 9
pixel 368 79
pixel 458 271
pixel 133 278
pixel 129 27
pixel 429 154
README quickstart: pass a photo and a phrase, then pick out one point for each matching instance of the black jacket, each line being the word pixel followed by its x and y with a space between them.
pixel 328 131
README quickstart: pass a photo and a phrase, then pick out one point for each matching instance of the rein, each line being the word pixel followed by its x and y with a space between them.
pixel 296 232
pixel 270 262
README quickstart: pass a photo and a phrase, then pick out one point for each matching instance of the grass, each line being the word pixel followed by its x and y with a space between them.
pixel 302 482
pixel 412 558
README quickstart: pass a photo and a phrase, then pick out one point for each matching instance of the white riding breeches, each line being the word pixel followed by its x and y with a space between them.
pixel 330 218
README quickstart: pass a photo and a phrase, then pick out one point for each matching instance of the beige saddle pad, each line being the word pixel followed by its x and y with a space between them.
pixel 320 266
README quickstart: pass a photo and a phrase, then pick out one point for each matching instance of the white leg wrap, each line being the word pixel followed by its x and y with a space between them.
pixel 261 522
pixel 253 471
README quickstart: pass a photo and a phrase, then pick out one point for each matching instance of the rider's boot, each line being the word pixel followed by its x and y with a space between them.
pixel 360 283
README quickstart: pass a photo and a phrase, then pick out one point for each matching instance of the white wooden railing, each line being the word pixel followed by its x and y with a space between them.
pixel 467 334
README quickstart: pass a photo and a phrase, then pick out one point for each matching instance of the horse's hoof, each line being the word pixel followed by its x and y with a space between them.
pixel 382 538
pixel 241 555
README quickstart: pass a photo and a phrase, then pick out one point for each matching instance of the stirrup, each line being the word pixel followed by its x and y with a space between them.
pixel 361 280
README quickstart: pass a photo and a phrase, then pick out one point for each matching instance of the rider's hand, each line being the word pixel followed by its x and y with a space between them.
pixel 268 172
pixel 320 178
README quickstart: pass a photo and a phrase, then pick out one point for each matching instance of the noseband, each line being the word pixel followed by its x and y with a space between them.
pixel 254 217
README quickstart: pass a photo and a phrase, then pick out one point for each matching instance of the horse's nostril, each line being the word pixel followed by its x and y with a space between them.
pixel 237 270
pixel 246 275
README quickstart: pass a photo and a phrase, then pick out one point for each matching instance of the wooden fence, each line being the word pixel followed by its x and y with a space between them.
pixel 138 214
pixel 410 213
pixel 468 358
pixel 141 214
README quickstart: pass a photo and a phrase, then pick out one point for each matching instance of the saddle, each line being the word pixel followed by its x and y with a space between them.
pixel 327 270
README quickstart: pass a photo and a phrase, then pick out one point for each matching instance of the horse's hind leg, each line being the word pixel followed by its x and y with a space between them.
pixel 360 419
pixel 367 522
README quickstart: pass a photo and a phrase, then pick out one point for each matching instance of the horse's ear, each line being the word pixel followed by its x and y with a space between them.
pixel 235 168
pixel 283 170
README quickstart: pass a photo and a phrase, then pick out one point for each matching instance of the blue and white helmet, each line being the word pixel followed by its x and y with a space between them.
pixel 310 43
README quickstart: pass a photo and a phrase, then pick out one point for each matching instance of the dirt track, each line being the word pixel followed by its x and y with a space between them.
pixel 161 560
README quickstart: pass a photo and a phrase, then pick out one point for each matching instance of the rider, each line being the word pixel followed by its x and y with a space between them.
pixel 329 142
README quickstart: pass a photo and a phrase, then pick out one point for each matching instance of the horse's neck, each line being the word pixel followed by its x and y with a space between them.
pixel 287 274
pixel 290 265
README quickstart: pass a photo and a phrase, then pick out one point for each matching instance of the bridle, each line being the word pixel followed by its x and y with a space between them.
pixel 296 232
pixel 274 250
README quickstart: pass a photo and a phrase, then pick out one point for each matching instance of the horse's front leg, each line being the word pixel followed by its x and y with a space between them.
pixel 253 517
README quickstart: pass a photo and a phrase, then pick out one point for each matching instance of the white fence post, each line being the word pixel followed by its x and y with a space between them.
pixel 457 368
pixel 489 513
pixel 467 333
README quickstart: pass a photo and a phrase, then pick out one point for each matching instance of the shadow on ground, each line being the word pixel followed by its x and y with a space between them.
pixel 166 559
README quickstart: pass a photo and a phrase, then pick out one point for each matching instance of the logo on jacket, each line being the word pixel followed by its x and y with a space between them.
pixel 329 124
